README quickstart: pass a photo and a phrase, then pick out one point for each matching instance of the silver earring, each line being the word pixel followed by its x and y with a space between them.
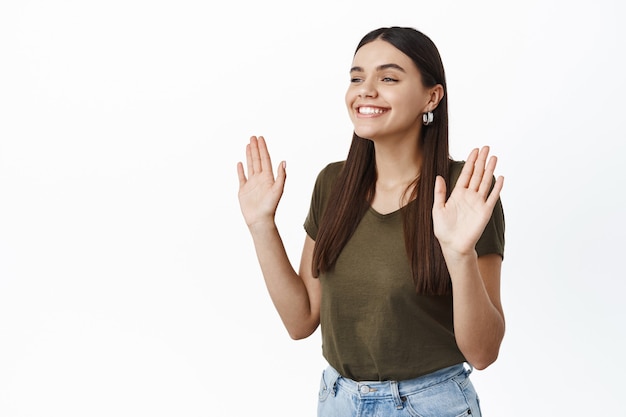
pixel 427 118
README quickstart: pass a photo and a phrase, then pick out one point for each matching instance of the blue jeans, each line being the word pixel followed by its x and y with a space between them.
pixel 447 392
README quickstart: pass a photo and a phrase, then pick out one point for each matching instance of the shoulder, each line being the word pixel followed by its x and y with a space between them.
pixel 324 183
pixel 326 178
pixel 329 174
pixel 333 168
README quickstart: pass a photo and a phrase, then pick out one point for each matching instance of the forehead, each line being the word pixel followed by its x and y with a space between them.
pixel 379 52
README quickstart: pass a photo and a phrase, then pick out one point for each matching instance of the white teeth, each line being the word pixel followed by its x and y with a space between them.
pixel 370 110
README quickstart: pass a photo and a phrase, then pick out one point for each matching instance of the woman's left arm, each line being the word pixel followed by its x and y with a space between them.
pixel 458 223
pixel 478 316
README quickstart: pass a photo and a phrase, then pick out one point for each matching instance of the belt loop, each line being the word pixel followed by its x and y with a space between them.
pixel 396 395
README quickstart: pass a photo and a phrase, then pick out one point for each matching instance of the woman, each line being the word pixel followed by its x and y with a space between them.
pixel 402 275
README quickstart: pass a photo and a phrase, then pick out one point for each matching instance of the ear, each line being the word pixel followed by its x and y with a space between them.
pixel 436 94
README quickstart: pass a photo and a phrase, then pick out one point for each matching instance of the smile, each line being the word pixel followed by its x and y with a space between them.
pixel 371 110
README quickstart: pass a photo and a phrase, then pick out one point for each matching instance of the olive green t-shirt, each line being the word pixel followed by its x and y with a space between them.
pixel 374 326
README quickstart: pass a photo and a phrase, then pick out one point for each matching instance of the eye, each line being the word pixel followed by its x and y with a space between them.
pixel 389 80
pixel 355 79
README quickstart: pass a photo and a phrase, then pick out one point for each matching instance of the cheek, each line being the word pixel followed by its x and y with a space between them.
pixel 420 100
pixel 348 98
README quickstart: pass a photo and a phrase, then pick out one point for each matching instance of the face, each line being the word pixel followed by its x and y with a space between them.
pixel 386 97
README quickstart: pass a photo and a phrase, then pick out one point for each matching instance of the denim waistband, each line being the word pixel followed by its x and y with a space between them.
pixel 396 389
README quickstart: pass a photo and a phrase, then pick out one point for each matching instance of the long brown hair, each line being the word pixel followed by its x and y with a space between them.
pixel 354 189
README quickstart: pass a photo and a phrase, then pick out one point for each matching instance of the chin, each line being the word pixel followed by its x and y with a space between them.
pixel 365 134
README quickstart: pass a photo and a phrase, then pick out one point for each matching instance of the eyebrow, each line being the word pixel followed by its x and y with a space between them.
pixel 379 68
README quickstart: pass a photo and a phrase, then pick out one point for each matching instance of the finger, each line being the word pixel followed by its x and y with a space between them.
pixel 440 193
pixel 241 175
pixel 281 175
pixel 479 169
pixel 495 193
pixel 487 180
pixel 249 159
pixel 255 158
pixel 468 168
pixel 264 155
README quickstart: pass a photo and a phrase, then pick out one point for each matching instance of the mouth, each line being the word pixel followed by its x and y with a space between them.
pixel 371 111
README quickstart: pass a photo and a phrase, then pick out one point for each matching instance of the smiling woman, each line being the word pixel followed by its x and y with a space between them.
pixel 403 248
pixel 384 78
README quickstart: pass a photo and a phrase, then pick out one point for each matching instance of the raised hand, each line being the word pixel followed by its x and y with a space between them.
pixel 260 191
pixel 460 221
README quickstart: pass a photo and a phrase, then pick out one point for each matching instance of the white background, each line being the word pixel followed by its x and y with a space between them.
pixel 128 281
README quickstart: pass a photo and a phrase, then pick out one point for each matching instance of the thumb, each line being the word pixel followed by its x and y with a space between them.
pixel 281 174
pixel 440 193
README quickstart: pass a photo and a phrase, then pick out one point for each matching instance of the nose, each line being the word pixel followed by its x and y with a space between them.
pixel 367 89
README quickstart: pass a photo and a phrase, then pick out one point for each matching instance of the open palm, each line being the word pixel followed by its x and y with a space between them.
pixel 460 221
pixel 259 192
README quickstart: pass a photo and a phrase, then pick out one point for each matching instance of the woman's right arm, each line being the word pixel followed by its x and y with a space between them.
pixel 296 295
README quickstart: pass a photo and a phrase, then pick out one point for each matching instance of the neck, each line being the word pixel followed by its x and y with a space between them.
pixel 397 166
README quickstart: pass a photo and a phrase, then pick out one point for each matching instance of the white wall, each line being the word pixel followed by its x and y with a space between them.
pixel 128 282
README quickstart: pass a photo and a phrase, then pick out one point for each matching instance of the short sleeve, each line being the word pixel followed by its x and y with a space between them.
pixel 321 192
pixel 492 239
